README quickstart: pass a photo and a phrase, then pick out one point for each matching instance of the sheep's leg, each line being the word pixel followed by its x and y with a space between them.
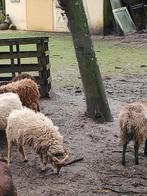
pixel 38 108
pixel 21 150
pixel 136 148
pixel 145 148
pixel 41 162
pixel 9 152
pixel 123 154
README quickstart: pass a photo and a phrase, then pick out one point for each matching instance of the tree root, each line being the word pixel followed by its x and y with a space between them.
pixel 73 161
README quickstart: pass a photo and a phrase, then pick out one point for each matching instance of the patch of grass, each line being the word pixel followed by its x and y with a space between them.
pixel 113 57
pixel 64 66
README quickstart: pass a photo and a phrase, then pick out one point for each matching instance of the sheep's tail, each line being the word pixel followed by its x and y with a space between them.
pixel 126 133
pixel 129 135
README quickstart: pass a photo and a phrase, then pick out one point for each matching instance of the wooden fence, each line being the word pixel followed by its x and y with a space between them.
pixel 18 55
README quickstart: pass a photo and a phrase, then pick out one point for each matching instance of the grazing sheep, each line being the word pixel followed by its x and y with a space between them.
pixel 7 187
pixel 27 90
pixel 133 126
pixel 25 127
pixel 22 76
pixel 8 102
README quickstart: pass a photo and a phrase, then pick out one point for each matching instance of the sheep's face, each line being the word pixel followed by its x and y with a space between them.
pixel 57 151
pixel 59 155
pixel 55 165
pixel 57 160
pixel 56 146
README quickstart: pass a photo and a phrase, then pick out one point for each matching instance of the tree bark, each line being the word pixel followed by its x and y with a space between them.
pixel 97 104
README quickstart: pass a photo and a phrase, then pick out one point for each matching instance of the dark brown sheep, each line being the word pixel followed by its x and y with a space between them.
pixel 7 187
pixel 27 90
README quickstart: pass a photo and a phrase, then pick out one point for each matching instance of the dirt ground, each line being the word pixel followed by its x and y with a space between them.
pixel 100 172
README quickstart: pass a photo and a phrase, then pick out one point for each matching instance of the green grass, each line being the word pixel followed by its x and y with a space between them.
pixel 113 54
pixel 113 57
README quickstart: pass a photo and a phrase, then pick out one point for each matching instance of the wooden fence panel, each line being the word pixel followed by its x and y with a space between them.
pixel 18 51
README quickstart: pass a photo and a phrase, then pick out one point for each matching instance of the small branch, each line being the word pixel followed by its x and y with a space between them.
pixel 123 192
pixel 73 161
pixel 120 151
pixel 110 172
pixel 116 176
pixel 110 184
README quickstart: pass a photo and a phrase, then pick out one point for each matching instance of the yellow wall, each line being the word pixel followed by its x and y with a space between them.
pixel 17 12
pixel 42 15
pixel 94 11
pixel 39 15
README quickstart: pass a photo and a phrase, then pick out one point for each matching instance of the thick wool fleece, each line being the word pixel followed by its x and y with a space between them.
pixel 133 118
pixel 8 102
pixel 34 129
pixel 27 90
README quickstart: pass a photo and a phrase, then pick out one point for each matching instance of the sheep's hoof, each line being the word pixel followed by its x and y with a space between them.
pixel 25 160
pixel 123 163
pixel 137 163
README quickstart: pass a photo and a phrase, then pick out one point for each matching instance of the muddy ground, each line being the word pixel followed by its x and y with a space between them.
pixel 100 172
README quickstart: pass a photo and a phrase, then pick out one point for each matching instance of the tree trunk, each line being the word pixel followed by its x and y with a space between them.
pixel 97 105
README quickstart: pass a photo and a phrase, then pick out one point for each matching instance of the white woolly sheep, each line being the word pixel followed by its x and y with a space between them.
pixel 133 126
pixel 25 127
pixel 27 90
pixel 6 182
pixel 8 102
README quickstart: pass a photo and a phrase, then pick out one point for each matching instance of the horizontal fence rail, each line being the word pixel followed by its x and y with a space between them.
pixel 30 54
